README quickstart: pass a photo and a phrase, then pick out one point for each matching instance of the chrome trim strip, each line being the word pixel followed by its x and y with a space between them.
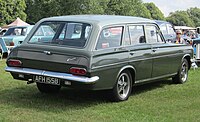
pixel 156 78
pixel 64 76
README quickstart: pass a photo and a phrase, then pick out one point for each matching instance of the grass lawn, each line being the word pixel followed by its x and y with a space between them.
pixel 161 101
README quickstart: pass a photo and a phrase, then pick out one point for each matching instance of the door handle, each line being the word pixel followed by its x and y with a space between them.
pixel 155 49
pixel 120 49
pixel 132 53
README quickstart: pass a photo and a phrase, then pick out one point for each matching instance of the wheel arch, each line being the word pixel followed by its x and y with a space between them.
pixel 131 69
pixel 188 58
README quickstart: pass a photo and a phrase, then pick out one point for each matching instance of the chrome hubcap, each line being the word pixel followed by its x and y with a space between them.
pixel 123 85
pixel 184 72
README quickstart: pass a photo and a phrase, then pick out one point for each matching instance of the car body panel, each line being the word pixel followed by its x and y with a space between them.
pixel 146 61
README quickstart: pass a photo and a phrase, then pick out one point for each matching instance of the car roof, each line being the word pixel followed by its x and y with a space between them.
pixel 160 22
pixel 100 19
pixel 21 26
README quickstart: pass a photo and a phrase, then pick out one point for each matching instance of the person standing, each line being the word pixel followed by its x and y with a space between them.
pixel 179 39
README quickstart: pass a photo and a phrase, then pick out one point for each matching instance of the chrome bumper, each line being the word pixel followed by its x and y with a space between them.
pixel 65 76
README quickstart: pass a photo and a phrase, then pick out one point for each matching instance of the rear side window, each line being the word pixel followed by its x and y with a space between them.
pixel 136 34
pixel 110 37
pixel 72 34
pixel 152 34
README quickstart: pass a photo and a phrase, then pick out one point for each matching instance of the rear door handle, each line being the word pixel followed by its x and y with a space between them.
pixel 120 49
pixel 155 49
pixel 132 53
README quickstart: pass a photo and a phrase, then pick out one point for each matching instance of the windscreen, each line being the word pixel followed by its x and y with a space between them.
pixel 72 34
pixel 18 31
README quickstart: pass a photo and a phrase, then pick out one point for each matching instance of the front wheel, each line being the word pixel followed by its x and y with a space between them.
pixel 123 87
pixel 182 74
pixel 47 88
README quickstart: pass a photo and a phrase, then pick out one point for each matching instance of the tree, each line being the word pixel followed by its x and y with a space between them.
pixel 127 7
pixel 194 14
pixel 154 11
pixel 82 7
pixel 39 9
pixel 180 18
pixel 11 9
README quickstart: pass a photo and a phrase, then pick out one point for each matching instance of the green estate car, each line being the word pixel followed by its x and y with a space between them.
pixel 98 52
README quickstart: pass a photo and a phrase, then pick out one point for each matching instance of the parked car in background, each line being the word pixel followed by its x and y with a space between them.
pixel 167 30
pixel 98 52
pixel 14 36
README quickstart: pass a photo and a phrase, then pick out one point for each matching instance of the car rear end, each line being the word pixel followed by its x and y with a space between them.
pixel 56 57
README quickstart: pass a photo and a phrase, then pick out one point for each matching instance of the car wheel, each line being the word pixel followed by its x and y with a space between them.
pixel 47 88
pixel 123 87
pixel 182 74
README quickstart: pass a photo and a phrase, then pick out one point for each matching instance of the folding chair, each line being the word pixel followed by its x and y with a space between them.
pixel 4 49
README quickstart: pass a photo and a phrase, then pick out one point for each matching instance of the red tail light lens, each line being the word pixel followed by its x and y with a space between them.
pixel 12 44
pixel 14 63
pixel 78 71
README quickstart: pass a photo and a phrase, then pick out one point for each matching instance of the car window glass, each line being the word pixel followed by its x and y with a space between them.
pixel 39 32
pixel 163 29
pixel 126 40
pixel 110 37
pixel 136 34
pixel 171 29
pixel 18 31
pixel 152 34
pixel 74 31
pixel 24 31
pixel 62 33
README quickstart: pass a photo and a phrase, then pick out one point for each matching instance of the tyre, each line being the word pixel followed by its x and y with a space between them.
pixel 182 74
pixel 122 88
pixel 47 88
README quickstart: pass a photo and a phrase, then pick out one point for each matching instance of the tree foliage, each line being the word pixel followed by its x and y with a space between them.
pixel 154 11
pixel 11 9
pixel 38 9
pixel 194 14
pixel 191 17
pixel 128 8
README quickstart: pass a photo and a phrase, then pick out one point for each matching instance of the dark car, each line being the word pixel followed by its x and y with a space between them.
pixel 98 52
pixel 167 30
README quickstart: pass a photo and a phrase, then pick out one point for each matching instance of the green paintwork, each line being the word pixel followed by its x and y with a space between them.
pixel 145 63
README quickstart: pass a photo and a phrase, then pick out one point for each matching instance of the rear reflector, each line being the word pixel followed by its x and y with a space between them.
pixel 78 71
pixel 12 44
pixel 14 63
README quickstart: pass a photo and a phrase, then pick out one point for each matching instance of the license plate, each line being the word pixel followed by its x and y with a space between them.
pixel 47 80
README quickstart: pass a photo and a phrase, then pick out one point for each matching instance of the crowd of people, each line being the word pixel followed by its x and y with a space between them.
pixel 185 36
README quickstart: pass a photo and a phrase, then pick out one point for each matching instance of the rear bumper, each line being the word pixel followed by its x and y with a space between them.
pixel 64 76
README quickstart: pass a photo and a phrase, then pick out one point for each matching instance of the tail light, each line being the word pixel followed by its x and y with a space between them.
pixel 12 44
pixel 14 63
pixel 78 71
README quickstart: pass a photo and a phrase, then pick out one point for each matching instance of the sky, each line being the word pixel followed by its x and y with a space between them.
pixel 167 6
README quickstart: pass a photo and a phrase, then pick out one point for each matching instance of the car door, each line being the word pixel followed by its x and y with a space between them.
pixel 139 53
pixel 163 55
pixel 109 55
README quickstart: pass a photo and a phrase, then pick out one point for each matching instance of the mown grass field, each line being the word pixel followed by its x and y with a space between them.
pixel 156 102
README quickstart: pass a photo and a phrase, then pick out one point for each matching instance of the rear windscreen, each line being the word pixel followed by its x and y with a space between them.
pixel 72 34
